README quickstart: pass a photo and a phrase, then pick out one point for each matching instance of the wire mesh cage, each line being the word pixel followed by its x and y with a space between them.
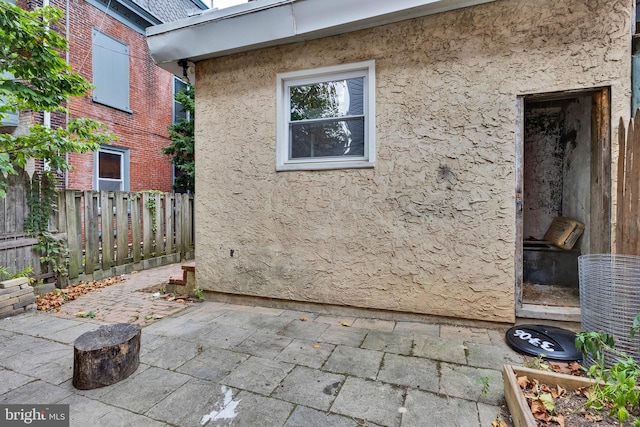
pixel 610 299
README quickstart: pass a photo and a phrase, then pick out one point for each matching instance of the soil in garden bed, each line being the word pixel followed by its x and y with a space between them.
pixel 569 407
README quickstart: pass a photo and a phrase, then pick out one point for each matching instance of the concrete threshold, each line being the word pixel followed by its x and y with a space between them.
pixel 549 312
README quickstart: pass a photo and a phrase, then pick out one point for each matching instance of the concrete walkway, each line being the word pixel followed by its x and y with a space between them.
pixel 218 364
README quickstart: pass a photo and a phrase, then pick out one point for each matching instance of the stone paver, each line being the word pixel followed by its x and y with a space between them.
pixel 306 353
pixel 305 417
pixel 258 375
pixel 310 387
pixel 421 374
pixel 428 409
pixel 371 401
pixel 389 342
pixel 354 361
pixel 214 363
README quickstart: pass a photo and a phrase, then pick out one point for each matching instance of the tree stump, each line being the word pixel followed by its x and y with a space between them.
pixel 105 356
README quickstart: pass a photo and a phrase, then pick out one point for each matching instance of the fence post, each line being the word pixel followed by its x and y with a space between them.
pixel 122 228
pixel 106 220
pixel 135 226
pixel 91 256
pixel 168 219
pixel 178 221
pixel 147 232
pixel 74 232
pixel 157 221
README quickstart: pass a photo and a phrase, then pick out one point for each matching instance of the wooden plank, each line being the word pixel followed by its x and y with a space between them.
pixel 3 217
pixel 620 216
pixel 633 219
pixel 626 206
pixel 74 232
pixel 106 218
pixel 186 235
pixel 14 196
pixel 90 231
pixel 122 228
pixel 600 239
pixel 157 223
pixel 135 227
pixel 190 221
pixel 17 243
pixel 179 212
pixel 168 221
pixel 147 231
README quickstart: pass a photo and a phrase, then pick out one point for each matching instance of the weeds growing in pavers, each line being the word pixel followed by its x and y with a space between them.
pixel 199 293
pixel 615 387
pixel 484 382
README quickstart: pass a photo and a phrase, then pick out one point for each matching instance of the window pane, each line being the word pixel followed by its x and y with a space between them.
pixel 109 185
pixel 109 165
pixel 337 98
pixel 331 138
pixel 178 112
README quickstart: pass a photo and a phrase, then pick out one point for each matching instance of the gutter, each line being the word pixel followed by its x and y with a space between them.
pixel 268 23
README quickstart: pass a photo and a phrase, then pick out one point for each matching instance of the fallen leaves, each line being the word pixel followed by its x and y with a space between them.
pixel 542 400
pixel 53 300
pixel 570 368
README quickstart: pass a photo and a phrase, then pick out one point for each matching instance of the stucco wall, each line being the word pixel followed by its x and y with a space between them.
pixel 431 228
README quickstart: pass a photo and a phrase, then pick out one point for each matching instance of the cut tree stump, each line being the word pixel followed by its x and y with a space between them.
pixel 105 356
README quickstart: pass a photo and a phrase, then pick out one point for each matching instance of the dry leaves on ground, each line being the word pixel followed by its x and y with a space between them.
pixel 53 300
pixel 552 405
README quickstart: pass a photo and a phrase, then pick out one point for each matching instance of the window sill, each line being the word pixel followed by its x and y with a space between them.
pixel 126 110
pixel 310 166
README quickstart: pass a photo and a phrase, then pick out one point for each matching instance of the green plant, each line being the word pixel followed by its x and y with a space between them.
pixel 89 315
pixel 615 387
pixel 35 76
pixel 199 293
pixel 538 363
pixel 181 148
pixel 25 272
pixel 484 382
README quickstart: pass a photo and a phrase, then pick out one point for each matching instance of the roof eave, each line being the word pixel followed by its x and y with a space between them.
pixel 267 23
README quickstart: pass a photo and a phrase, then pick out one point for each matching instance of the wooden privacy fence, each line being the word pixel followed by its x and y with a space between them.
pixel 112 233
pixel 628 188
pixel 16 247
pixel 107 233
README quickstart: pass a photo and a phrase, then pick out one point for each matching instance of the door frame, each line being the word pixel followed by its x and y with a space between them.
pixel 600 171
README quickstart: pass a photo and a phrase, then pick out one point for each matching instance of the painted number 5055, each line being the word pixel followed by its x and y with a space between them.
pixel 526 336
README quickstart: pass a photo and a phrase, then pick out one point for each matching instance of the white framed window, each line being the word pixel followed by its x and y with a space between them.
pixel 178 110
pixel 111 169
pixel 326 118
pixel 110 60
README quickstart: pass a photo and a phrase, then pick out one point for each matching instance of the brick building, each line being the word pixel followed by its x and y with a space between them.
pixel 131 96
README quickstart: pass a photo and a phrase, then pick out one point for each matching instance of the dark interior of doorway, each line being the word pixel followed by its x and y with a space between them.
pixel 556 182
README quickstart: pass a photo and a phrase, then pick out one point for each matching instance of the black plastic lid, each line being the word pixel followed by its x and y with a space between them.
pixel 546 341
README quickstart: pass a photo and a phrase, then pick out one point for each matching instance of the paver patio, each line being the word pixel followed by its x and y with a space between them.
pixel 220 364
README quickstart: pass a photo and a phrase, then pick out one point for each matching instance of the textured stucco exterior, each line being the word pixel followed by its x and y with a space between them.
pixel 430 229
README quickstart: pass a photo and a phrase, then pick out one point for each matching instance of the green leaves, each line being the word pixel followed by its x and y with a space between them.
pixel 35 76
pixel 616 386
pixel 182 145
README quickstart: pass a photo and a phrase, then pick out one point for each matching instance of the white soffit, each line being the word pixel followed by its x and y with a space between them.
pixel 265 23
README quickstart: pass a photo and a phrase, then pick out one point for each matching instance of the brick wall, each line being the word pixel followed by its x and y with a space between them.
pixel 144 130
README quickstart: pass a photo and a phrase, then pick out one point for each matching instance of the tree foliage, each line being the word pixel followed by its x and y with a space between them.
pixel 182 144
pixel 35 76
